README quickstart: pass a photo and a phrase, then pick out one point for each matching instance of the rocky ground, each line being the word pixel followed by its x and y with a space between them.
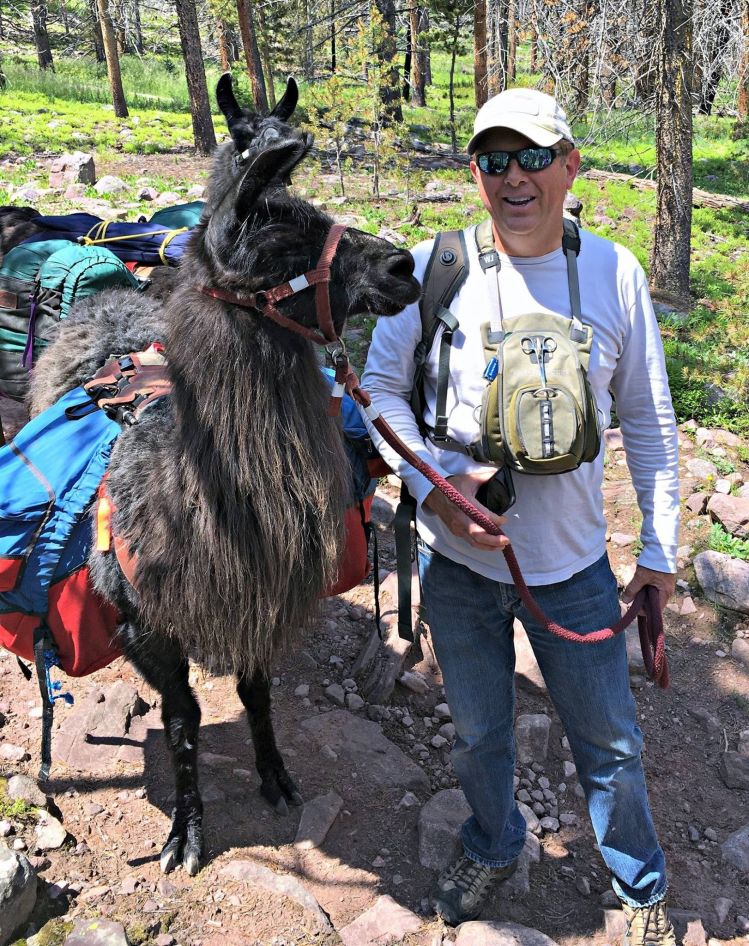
pixel 382 809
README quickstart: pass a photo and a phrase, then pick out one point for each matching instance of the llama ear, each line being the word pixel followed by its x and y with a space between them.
pixel 271 164
pixel 226 100
pixel 285 107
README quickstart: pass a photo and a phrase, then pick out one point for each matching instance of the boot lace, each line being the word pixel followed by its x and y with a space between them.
pixel 468 876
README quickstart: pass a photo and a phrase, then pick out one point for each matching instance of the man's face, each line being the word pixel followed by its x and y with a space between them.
pixel 526 206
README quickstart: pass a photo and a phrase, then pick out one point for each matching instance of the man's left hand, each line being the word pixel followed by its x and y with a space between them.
pixel 665 582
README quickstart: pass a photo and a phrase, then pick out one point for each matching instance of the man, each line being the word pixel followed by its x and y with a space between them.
pixel 523 160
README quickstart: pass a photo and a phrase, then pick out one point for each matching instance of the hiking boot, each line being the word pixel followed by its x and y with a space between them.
pixel 461 890
pixel 648 926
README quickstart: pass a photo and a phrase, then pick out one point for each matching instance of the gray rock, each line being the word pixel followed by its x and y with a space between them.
pixel 168 198
pixel 549 824
pixel 531 820
pixel 616 925
pixel 440 821
pixel 743 747
pixel 97 932
pixel 284 885
pixel 740 651
pixel 147 193
pixel 702 469
pixel 496 933
pixel 100 733
pixel 518 885
pixel 12 753
pixel 735 849
pixel 734 770
pixel 17 892
pixel 724 580
pixel 354 702
pixel 109 184
pixel 75 168
pixel 196 192
pixel 317 819
pixel 23 788
pixel 732 512
pixel 532 736
pixel 709 722
pixel 50 834
pixel 526 666
pixel 383 923
pixel 302 690
pixel 696 502
pixel 722 908
pixel 335 694
pixel 362 744
pixel 442 711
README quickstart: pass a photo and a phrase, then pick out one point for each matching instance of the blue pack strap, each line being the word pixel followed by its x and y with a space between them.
pixel 45 657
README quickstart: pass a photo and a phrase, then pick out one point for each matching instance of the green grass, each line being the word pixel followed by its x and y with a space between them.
pixel 720 541
pixel 707 349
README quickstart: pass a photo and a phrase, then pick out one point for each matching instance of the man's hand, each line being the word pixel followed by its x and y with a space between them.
pixel 457 521
pixel 663 581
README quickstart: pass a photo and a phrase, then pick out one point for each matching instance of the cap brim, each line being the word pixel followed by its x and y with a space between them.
pixel 520 124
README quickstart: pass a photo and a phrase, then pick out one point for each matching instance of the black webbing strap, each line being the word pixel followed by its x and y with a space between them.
pixel 43 642
pixel 370 532
pixel 445 316
pixel 571 247
pixel 405 517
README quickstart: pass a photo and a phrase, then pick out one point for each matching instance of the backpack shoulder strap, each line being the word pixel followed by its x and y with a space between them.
pixel 571 246
pixel 446 272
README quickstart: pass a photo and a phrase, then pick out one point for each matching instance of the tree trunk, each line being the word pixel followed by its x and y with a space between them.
pixel 113 60
pixel 200 109
pixel 669 261
pixel 41 36
pixel 418 59
pixel 137 28
pixel 453 57
pixel 387 51
pixel 743 99
pixel 480 83
pixel 96 30
pixel 264 49
pixel 498 36
pixel 309 53
pixel 252 55
pixel 222 40
pixel 710 64
pixel 424 27
pixel 512 41
pixel 406 90
pixel 333 63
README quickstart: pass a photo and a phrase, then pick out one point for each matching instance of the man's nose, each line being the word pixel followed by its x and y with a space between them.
pixel 514 173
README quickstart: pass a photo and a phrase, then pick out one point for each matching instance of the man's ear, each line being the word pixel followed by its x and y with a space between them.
pixel 572 165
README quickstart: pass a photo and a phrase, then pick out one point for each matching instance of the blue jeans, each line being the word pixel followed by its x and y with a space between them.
pixel 471 618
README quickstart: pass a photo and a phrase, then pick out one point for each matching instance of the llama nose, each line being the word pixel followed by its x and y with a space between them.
pixel 400 264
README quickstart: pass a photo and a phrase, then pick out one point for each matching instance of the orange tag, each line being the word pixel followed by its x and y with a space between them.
pixel 103 524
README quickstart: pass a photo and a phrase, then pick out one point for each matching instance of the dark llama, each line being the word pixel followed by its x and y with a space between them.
pixel 231 491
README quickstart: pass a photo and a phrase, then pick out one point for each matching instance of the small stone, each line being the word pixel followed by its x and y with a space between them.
pixel 442 711
pixel 409 800
pixel 448 731
pixel 317 818
pixel 582 884
pixel 569 769
pixel 438 742
pixel 549 824
pixel 12 753
pixel 302 690
pixel 50 834
pixel 722 908
pixel 92 808
pixel 335 694
pixel 327 753
pixel 711 834
pixel 23 788
pixel 354 702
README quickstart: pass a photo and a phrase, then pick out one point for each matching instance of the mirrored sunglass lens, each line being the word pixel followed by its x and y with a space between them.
pixel 494 162
pixel 535 159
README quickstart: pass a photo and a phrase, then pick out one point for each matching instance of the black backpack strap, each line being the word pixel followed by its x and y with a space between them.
pixel 446 272
pixel 43 644
pixel 571 246
pixel 405 516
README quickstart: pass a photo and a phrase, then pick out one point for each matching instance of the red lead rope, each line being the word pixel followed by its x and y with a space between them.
pixel 650 623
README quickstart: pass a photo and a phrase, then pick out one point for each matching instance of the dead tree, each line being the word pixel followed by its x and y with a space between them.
pixel 200 109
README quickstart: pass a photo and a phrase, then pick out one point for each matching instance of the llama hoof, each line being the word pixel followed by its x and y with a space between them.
pixel 296 799
pixel 183 847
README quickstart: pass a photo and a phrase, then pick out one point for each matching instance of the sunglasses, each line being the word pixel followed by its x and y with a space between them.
pixel 529 159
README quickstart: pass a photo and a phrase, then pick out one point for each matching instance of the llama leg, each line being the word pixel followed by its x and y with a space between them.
pixel 163 665
pixel 276 785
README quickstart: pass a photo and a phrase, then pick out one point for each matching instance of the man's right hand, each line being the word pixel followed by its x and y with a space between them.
pixel 457 521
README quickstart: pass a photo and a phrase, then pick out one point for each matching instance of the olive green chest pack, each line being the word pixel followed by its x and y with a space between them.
pixel 538 413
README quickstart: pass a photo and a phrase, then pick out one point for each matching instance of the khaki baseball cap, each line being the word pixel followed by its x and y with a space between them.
pixel 526 111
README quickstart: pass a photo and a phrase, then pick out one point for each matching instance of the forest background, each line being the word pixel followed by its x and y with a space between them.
pixel 657 91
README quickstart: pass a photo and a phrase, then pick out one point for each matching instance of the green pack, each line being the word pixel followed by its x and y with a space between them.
pixel 39 284
pixel 538 413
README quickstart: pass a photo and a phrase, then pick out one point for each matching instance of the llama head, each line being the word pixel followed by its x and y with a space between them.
pixel 255 234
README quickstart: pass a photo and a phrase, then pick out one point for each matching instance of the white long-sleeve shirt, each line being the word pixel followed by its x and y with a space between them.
pixel 557 524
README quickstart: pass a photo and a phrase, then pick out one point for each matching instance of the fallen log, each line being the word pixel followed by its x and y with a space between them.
pixel 699 198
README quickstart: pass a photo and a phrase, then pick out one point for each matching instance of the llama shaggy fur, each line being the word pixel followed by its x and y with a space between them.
pixel 231 491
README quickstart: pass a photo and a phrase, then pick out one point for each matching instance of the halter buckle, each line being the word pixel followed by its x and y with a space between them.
pixel 337 352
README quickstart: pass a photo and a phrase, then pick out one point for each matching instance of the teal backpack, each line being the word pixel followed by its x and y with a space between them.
pixel 39 284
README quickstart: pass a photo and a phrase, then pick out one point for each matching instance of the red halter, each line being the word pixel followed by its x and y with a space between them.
pixel 264 301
